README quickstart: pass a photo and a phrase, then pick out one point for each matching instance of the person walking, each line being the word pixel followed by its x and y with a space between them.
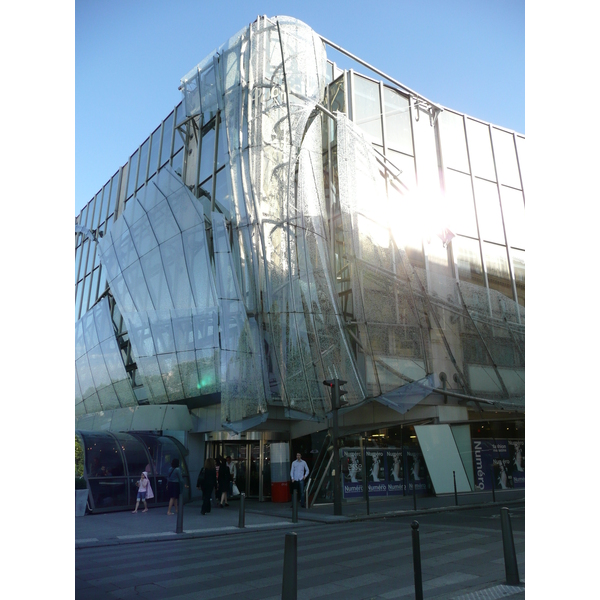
pixel 207 481
pixel 299 473
pixel 224 479
pixel 174 485
pixel 233 471
pixel 144 492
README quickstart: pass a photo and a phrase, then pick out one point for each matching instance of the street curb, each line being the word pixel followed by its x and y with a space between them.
pixel 308 521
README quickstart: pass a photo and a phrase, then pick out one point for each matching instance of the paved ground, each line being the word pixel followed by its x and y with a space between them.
pixel 354 556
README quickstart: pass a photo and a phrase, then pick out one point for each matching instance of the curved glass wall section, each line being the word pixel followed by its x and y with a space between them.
pixel 101 382
pixel 159 272
pixel 113 462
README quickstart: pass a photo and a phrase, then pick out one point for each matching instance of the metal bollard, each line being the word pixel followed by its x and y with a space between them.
pixel 455 494
pixel 510 556
pixel 295 506
pixel 417 560
pixel 289 588
pixel 242 520
pixel 179 526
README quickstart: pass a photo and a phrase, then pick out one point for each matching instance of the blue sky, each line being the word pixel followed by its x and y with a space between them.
pixel 130 55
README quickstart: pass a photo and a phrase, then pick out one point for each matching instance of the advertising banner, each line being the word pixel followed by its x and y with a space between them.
pixel 395 472
pixel 352 461
pixel 388 472
pixel 500 463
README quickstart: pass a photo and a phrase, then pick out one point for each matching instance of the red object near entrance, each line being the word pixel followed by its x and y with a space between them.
pixel 280 492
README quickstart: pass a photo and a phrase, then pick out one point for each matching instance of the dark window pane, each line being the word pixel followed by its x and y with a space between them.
pixel 132 171
pixel 135 455
pixel 154 150
pixel 102 451
pixel 141 180
pixel 207 156
pixel 165 153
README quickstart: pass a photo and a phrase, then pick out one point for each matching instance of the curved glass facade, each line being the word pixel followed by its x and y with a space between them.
pixel 113 463
pixel 289 223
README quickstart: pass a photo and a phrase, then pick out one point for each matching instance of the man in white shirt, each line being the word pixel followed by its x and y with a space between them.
pixel 298 474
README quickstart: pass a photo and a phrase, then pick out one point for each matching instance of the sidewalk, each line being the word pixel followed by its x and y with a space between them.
pixel 126 528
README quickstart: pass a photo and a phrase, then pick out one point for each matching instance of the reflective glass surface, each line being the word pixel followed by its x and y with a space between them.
pixel 518 261
pixel 459 193
pixel 468 260
pixel 143 164
pixel 367 109
pixel 132 173
pixel 397 121
pixel 154 151
pixel 454 144
pixel 480 149
pixel 167 136
pixel 496 264
pixel 513 208
pixel 488 211
pixel 506 158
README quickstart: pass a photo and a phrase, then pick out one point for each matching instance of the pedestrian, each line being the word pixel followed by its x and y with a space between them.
pixel 224 479
pixel 174 483
pixel 233 471
pixel 207 481
pixel 299 473
pixel 144 492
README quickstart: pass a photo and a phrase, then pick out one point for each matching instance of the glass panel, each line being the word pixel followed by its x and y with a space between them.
pixel 207 157
pixel 506 158
pixel 337 99
pixel 222 191
pixel 178 163
pixel 407 165
pixel 84 213
pixel 86 294
pixel 480 150
pixel 102 456
pixel 133 161
pixel 222 152
pixel 496 264
pixel 141 180
pixel 518 260
pixel 178 140
pixel 468 260
pixel 367 109
pixel 135 454
pixel 513 209
pixel 488 211
pixel 154 152
pixel 462 209
pixel 521 158
pixel 165 153
pixel 114 190
pixel 397 121
pixel 454 144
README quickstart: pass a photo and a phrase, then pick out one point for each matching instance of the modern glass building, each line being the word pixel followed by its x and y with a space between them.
pixel 291 222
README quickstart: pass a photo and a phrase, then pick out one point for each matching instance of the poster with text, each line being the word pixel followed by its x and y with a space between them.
pixel 395 472
pixel 416 472
pixel 352 473
pixel 376 472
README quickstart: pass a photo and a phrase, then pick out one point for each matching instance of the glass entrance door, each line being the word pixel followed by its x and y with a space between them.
pixel 250 472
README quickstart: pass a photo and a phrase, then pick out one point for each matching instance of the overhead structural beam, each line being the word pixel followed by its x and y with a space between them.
pixel 380 73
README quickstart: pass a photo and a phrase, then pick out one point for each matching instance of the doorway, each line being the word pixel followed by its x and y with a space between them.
pixel 252 467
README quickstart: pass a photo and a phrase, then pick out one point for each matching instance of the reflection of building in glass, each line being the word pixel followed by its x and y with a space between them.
pixel 290 222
